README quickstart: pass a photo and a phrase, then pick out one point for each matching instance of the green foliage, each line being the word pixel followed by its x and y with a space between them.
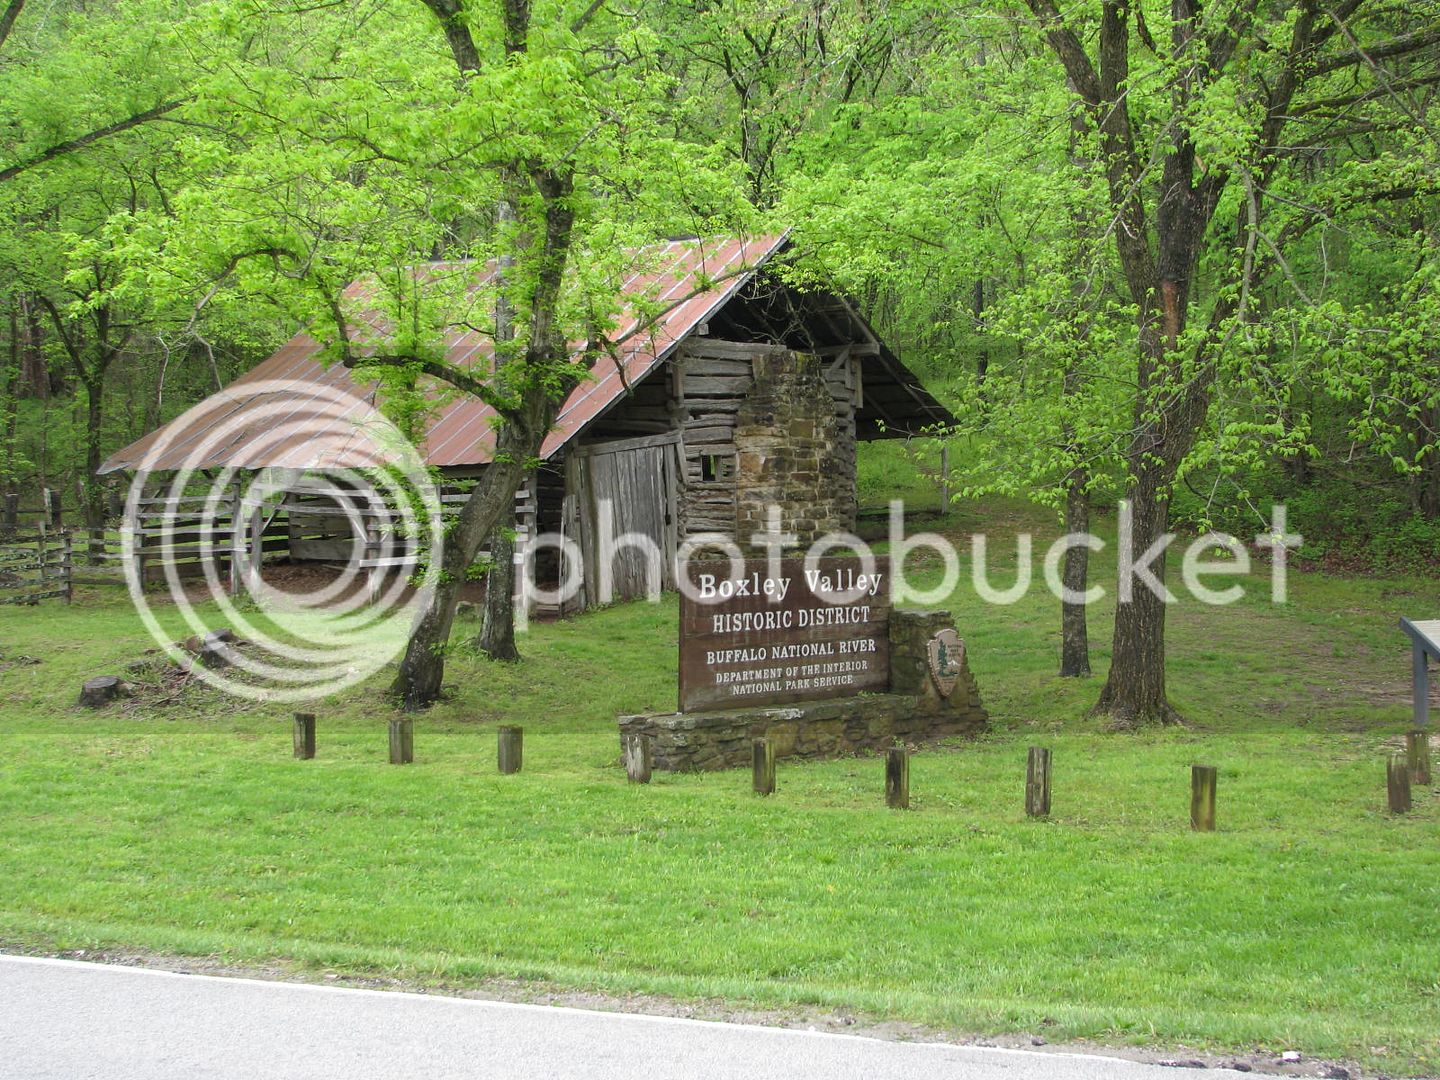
pixel 931 159
pixel 1380 530
pixel 971 211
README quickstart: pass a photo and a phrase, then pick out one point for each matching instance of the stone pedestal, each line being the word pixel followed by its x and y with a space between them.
pixel 913 711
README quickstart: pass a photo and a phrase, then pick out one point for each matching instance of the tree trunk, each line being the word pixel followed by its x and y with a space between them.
pixel 9 507
pixel 497 632
pixel 521 435
pixel 982 356
pixel 1074 633
pixel 1427 482
pixel 35 377
pixel 94 491
pixel 1134 692
pixel 423 666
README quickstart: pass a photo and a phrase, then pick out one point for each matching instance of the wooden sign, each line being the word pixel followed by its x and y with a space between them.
pixel 946 655
pixel 756 634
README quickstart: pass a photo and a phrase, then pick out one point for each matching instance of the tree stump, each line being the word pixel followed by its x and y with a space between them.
pixel 103 689
pixel 637 756
pixel 216 654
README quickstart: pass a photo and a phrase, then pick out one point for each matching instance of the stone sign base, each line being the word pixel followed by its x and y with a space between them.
pixel 913 711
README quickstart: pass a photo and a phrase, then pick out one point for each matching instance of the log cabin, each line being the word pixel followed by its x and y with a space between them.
pixel 744 392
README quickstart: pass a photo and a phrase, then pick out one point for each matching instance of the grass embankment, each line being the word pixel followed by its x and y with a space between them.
pixel 1309 920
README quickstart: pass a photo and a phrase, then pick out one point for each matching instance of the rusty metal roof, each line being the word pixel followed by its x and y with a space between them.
pixel 292 411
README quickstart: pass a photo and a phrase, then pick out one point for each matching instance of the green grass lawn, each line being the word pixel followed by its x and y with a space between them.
pixel 1311 919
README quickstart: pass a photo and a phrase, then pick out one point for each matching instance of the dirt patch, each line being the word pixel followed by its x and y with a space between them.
pixel 1327 665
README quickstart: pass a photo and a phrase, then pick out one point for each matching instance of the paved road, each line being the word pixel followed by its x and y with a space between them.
pixel 72 1020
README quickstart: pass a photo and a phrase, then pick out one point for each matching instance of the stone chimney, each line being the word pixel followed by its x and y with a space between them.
pixel 788 445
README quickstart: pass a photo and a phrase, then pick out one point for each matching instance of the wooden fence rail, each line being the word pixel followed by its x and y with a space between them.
pixel 35 566
pixel 228 535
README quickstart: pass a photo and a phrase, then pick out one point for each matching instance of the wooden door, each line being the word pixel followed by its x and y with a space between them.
pixel 627 486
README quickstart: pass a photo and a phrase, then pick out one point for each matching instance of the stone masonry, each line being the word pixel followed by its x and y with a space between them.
pixel 912 712
pixel 787 439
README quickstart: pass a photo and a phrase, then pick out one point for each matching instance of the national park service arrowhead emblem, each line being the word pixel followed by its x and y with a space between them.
pixel 947 657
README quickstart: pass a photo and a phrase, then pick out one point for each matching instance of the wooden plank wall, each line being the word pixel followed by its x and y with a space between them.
pixel 711 379
pixel 308 526
pixel 552 513
pixel 647 409
pixel 573 518
pixel 318 528
pixel 845 376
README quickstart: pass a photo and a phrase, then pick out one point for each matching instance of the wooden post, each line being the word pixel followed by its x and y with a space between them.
pixel 1202 797
pixel 67 566
pixel 237 546
pixel 371 553
pixel 1037 783
pixel 1397 783
pixel 304 735
pixel 257 549
pixel 138 536
pixel 402 742
pixel 763 770
pixel 897 778
pixel 42 550
pixel 510 749
pixel 944 477
pixel 1417 754
pixel 1420 669
pixel 52 506
pixel 637 758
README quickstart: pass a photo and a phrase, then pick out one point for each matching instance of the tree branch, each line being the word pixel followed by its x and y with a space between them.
pixel 70 145
pixel 1069 50
pixel 1222 44
pixel 1382 50
pixel 457 34
pixel 7 20
pixel 71 349
pixel 1344 101
pixel 1338 14
pixel 447 373
pixel 586 15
